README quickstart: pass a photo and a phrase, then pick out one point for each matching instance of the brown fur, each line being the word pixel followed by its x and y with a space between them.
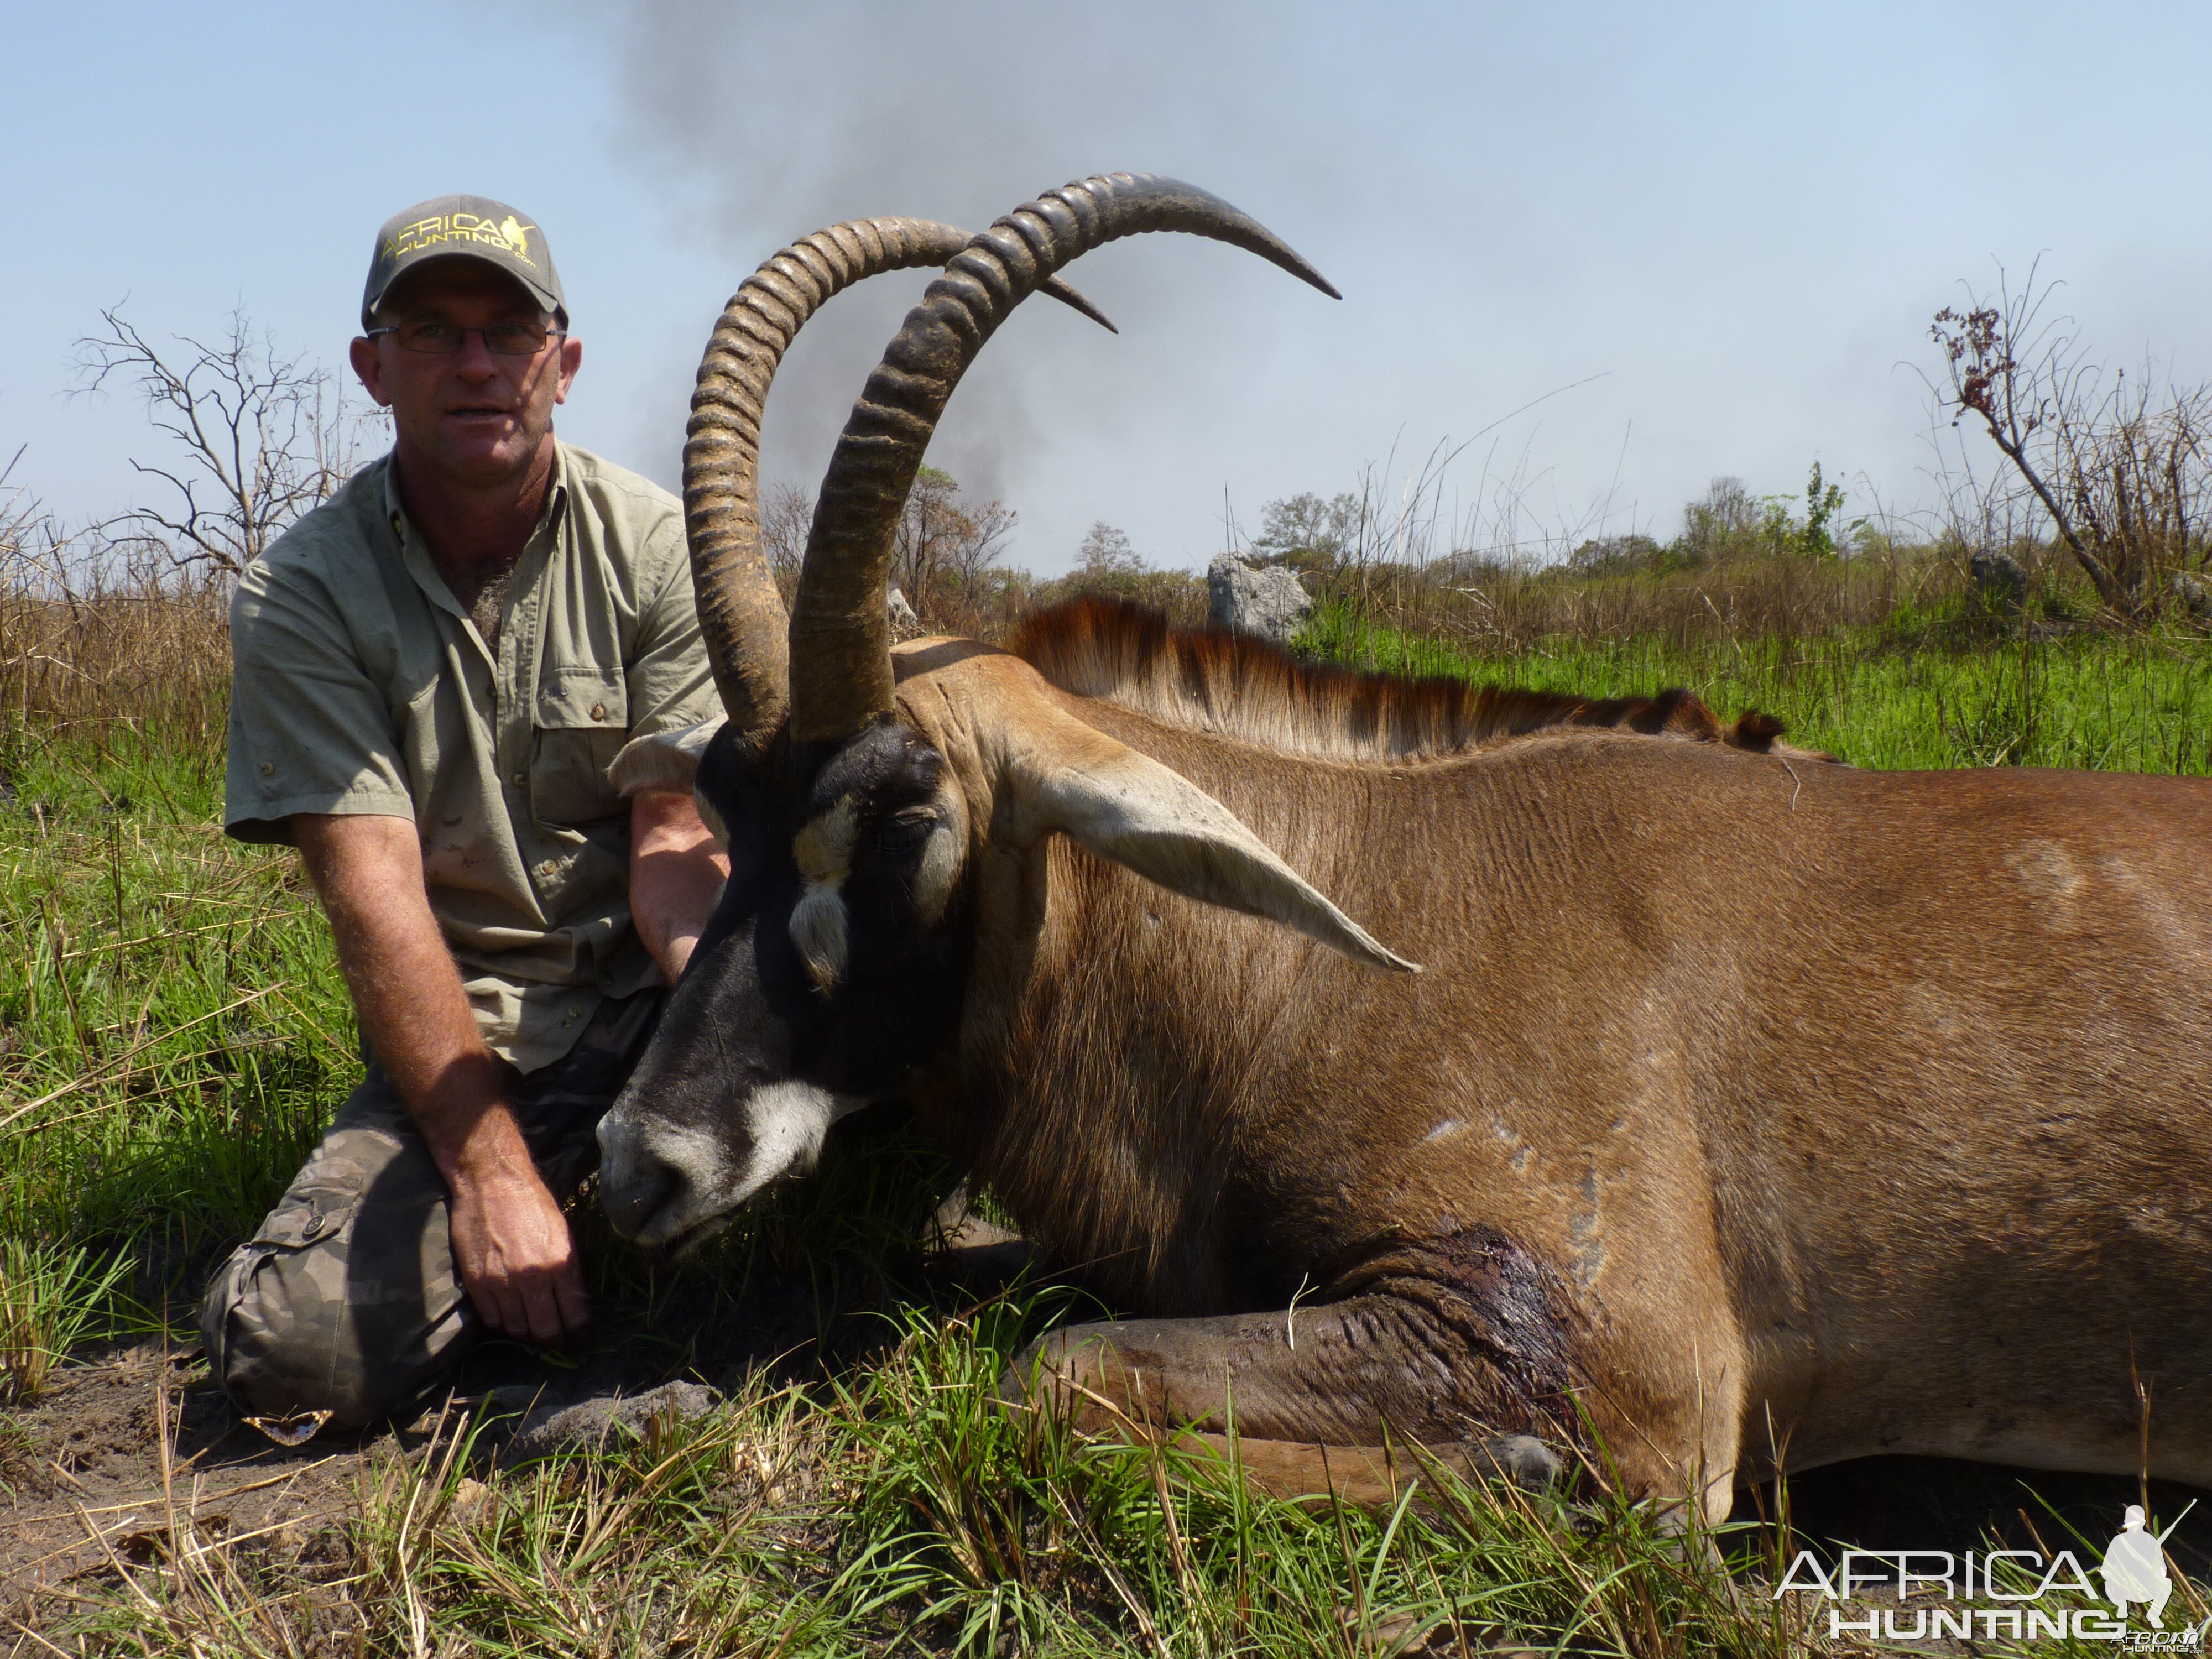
pixel 1236 685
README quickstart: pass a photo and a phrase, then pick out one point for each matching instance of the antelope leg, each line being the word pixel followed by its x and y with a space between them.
pixel 1372 1477
pixel 1356 1373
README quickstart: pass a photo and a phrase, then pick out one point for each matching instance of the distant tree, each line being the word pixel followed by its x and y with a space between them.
pixel 785 518
pixel 1823 500
pixel 259 438
pixel 1105 551
pixel 1729 522
pixel 944 543
pixel 981 541
pixel 1721 522
pixel 1325 531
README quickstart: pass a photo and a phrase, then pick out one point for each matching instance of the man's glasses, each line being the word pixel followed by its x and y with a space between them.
pixel 437 339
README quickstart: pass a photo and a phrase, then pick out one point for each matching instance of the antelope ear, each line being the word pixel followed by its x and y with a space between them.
pixel 699 761
pixel 1127 807
pixel 663 760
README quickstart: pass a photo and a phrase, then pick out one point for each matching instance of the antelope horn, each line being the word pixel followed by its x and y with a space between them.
pixel 840 656
pixel 740 613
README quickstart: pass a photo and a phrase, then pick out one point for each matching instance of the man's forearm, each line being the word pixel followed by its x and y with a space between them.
pixel 509 1239
pixel 407 993
pixel 676 874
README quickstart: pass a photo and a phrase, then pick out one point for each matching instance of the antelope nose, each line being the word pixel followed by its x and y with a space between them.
pixel 633 1183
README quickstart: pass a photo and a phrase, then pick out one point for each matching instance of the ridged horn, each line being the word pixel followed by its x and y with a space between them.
pixel 740 612
pixel 839 652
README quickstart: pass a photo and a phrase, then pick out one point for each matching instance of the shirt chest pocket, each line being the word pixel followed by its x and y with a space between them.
pixel 581 720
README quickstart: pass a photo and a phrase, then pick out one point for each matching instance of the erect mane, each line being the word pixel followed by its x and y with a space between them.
pixel 1210 679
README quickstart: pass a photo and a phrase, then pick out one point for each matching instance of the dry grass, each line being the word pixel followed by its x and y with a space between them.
pixel 1503 611
pixel 91 639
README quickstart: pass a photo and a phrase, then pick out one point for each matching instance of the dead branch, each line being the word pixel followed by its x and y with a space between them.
pixel 259 438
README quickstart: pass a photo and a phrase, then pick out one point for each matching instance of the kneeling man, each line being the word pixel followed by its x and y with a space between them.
pixel 443 677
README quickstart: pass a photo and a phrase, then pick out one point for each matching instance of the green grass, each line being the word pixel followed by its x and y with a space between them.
pixel 174 1034
pixel 50 1295
pixel 1924 691
pixel 173 1031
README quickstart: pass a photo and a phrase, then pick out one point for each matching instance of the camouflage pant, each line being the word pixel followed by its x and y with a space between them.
pixel 348 1301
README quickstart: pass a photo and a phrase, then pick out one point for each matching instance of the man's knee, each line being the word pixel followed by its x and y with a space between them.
pixel 345 1302
pixel 275 1339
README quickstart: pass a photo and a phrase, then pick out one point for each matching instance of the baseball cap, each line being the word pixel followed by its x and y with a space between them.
pixel 474 227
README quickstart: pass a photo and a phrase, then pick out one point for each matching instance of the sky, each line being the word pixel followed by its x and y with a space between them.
pixel 1602 253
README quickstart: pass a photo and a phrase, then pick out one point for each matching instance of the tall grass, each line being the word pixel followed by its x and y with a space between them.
pixel 88 646
pixel 1942 686
pixel 1509 610
pixel 172 1032
pixel 50 1295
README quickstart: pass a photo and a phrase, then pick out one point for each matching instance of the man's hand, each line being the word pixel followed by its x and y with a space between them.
pixel 511 1242
pixel 510 1239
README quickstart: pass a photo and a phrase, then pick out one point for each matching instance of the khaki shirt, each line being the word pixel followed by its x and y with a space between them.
pixel 361 685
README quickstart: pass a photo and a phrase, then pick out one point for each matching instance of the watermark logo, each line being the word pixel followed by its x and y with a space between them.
pixel 2135 1568
pixel 1948 1588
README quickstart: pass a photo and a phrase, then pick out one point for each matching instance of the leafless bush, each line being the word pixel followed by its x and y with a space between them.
pixel 125 624
pixel 257 438
pixel 2118 465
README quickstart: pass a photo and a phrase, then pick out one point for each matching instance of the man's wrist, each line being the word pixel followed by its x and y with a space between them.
pixel 492 1152
pixel 466 1122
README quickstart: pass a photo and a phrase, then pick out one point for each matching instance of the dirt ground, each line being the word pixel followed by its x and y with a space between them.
pixel 87 1488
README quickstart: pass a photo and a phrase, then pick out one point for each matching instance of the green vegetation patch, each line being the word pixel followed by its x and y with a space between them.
pixel 1947 688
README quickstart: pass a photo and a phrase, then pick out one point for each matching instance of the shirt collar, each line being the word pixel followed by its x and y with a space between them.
pixel 557 497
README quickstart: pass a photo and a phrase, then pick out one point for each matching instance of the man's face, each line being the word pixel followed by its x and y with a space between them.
pixel 478 417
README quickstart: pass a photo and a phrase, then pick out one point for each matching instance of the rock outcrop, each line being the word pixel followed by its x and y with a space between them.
pixel 1255 599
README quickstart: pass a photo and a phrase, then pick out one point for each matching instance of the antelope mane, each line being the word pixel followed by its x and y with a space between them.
pixel 1237 686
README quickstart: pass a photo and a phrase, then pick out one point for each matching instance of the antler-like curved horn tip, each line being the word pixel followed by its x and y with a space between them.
pixel 1246 231
pixel 1073 297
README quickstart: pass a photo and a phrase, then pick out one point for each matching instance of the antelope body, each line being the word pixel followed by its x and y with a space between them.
pixel 1436 1068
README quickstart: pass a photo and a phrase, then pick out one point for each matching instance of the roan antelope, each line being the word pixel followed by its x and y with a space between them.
pixel 1421 1063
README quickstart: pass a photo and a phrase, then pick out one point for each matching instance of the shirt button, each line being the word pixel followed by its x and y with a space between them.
pixel 520 779
pixel 268 769
pixel 599 711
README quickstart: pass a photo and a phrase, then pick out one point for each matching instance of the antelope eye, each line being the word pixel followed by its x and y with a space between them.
pixel 904 833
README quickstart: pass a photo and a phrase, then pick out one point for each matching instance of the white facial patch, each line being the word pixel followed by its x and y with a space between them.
pixel 695 1157
pixel 788 1122
pixel 823 850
